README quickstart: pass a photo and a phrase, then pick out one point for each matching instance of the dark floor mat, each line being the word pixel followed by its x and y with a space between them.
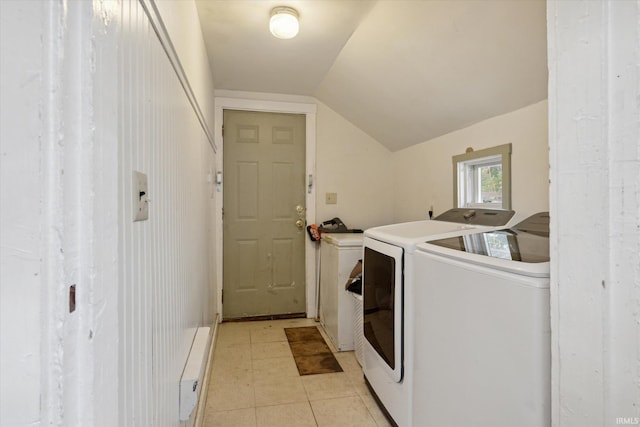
pixel 310 351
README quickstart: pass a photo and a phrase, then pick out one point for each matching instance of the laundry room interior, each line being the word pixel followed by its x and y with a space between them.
pixel 393 213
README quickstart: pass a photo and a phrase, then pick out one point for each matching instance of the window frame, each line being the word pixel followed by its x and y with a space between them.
pixel 487 156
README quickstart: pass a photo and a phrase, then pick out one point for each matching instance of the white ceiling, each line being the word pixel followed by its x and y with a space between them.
pixel 404 71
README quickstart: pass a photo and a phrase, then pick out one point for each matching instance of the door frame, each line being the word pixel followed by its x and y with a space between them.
pixel 293 105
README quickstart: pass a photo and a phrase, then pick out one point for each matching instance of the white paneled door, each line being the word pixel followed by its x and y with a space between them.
pixel 264 211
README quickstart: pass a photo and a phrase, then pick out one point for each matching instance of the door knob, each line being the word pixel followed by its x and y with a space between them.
pixel 300 223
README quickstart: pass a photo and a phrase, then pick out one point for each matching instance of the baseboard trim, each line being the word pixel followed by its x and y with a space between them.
pixel 202 403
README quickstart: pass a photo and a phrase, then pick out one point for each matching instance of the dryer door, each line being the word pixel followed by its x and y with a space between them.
pixel 382 292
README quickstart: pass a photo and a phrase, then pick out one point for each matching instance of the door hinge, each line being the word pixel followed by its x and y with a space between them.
pixel 223 130
pixel 222 298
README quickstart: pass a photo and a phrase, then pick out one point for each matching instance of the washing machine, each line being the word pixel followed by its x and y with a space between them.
pixel 388 300
pixel 482 331
pixel 339 253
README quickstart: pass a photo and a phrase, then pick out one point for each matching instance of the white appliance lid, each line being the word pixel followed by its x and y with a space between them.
pixel 344 239
pixel 477 216
pixel 450 223
pixel 409 234
pixel 539 269
pixel 523 249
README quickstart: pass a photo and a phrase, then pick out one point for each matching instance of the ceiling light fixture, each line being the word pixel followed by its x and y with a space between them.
pixel 284 22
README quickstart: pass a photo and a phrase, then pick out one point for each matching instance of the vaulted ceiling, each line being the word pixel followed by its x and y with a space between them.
pixel 404 71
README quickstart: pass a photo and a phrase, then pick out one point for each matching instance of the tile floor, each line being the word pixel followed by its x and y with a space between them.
pixel 255 383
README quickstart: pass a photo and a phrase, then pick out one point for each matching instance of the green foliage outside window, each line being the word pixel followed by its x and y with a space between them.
pixel 491 182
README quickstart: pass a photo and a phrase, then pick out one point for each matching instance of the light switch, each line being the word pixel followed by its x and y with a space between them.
pixel 140 197
pixel 331 198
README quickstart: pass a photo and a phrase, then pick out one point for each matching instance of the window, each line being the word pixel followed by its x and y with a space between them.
pixel 482 179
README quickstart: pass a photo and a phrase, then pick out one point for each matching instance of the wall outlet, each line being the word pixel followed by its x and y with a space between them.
pixel 140 197
pixel 331 198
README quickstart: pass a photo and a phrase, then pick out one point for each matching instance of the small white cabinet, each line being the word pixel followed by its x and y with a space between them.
pixel 339 253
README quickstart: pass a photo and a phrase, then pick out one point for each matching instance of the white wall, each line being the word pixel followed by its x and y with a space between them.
pixel 594 139
pixel 165 280
pixel 194 57
pixel 59 196
pixel 423 173
pixel 357 168
pixel 58 209
pixel 88 95
pixel 21 217
pixel 180 18
pixel 183 26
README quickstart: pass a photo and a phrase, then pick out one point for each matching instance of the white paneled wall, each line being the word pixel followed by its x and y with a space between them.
pixel 91 91
pixel 164 262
